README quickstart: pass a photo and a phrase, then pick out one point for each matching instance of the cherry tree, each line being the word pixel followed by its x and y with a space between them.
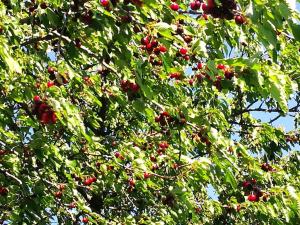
pixel 133 111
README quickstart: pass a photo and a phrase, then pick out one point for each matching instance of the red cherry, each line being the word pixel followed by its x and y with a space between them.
pixel 187 57
pixel 50 84
pixel 154 43
pixel 163 145
pixel 239 19
pixel 94 179
pixel 229 74
pixel 117 154
pixel 134 87
pixel 45 119
pixel 252 198
pixel 43 5
pixel 42 108
pixel 58 194
pixel 163 48
pixel 220 66
pixel 199 66
pixel 195 5
pixel 145 40
pixel 149 47
pixel 36 99
pixel 85 220
pixel 165 113
pixel 147 175
pixel 191 81
pixel 152 158
pixel 253 181
pixel 174 75
pixel 245 184
pixel 183 51
pixel 104 3
pixel 174 6
pixel 51 70
pixel 204 7
pixel 157 119
pixel 88 182
pixel 53 117
pixel 211 3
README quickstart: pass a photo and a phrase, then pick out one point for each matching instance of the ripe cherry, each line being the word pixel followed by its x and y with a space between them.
pixel 145 40
pixel 36 99
pixel 199 66
pixel 104 3
pixel 157 119
pixel 58 194
pixel 50 84
pixel 183 51
pixel 252 198
pixel 221 66
pixel 88 181
pixel 195 5
pixel 153 158
pixel 147 175
pixel 134 87
pixel 154 43
pixel 94 179
pixel 174 6
pixel 163 48
pixel 85 220
pixel 43 5
pixel 239 19
pixel 117 154
pixel 165 113
pixel 246 184
pixel 51 70
pixel 204 7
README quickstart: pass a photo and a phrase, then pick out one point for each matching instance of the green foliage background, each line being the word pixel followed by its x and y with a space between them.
pixel 97 119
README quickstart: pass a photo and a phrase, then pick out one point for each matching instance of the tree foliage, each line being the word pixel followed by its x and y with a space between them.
pixel 132 111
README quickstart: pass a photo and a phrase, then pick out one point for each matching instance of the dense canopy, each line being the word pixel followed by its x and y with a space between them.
pixel 146 112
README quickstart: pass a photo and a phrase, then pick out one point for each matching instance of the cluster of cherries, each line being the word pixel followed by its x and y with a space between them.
pixel 59 193
pixel 127 86
pixel 162 147
pixel 228 74
pixel 165 118
pixel 252 191
pixel 89 181
pixel 224 10
pixel 3 191
pixel 43 111
pixel 267 167
pixel 153 48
